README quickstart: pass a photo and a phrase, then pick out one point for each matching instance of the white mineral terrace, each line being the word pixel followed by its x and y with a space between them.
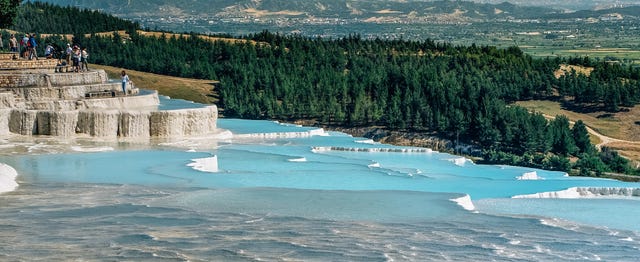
pixel 37 99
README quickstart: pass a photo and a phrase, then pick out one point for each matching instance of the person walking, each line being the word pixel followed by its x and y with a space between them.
pixel 1 43
pixel 125 81
pixel 13 43
pixel 32 47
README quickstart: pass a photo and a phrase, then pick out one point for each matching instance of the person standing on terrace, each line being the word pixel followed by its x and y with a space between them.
pixel 13 43
pixel 83 59
pixel 68 52
pixel 24 51
pixel 125 81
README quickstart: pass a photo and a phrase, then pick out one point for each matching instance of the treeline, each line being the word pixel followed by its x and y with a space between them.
pixel 609 86
pixel 39 17
pixel 463 93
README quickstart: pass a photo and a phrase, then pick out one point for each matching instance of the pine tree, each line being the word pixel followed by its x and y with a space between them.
pixel 581 138
pixel 8 12
pixel 562 139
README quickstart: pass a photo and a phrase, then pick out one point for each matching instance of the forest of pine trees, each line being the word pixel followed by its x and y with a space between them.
pixel 38 17
pixel 457 92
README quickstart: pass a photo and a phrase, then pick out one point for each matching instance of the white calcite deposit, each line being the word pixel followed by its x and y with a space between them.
pixel 37 100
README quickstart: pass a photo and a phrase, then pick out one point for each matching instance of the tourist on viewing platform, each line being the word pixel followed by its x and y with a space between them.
pixel 32 47
pixel 24 43
pixel 48 51
pixel 1 43
pixel 125 81
pixel 83 59
pixel 13 43
pixel 68 53
pixel 75 55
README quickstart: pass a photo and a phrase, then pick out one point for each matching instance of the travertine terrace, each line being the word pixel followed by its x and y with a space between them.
pixel 37 99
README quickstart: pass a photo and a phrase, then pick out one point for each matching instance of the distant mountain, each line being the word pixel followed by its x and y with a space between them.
pixel 612 12
pixel 572 5
pixel 455 11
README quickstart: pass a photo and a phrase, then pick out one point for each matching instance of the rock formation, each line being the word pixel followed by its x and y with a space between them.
pixel 37 99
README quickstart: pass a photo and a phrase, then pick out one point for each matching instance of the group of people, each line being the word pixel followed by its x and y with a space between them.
pixel 26 46
pixel 77 57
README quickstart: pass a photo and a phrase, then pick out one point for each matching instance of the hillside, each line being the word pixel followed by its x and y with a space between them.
pixel 614 13
pixel 571 5
pixel 454 11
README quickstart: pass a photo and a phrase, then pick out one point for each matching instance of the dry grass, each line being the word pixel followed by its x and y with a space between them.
pixel 261 13
pixel 196 90
pixel 622 128
pixel 564 69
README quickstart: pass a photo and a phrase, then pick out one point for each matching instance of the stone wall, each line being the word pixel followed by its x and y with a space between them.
pixel 13 79
pixel 8 55
pixel 28 64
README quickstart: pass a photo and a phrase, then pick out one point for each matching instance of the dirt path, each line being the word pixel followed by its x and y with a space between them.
pixel 605 140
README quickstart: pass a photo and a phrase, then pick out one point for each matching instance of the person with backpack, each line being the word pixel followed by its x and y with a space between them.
pixel 32 47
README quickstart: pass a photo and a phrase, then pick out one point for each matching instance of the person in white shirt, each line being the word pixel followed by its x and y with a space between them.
pixel 69 52
pixel 125 81
pixel 83 59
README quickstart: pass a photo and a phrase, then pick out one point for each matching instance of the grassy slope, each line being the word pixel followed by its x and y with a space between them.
pixel 201 91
